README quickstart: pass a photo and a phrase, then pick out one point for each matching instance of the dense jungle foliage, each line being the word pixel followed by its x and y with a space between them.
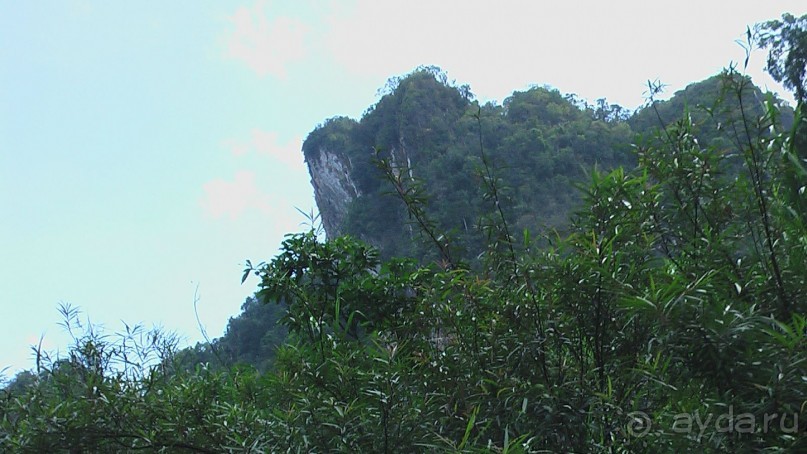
pixel 539 140
pixel 666 316
pixel 543 144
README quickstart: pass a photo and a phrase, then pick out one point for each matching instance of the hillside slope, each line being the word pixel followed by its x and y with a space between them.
pixel 538 141
pixel 542 145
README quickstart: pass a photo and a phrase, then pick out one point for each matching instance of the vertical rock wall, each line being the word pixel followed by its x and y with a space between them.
pixel 334 189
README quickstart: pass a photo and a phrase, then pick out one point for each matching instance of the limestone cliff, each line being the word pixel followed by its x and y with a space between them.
pixel 328 155
pixel 334 189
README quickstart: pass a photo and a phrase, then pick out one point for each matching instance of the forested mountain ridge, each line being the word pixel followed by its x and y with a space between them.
pixel 540 143
pixel 538 140
pixel 347 183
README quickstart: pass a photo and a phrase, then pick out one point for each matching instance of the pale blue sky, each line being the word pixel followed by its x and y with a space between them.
pixel 149 147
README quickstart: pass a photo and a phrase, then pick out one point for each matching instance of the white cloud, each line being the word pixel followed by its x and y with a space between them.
pixel 233 198
pixel 267 143
pixel 267 45
pixel 248 191
pixel 236 148
pixel 496 47
pixel 289 153
pixel 594 48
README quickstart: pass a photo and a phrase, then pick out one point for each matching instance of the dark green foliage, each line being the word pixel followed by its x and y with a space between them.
pixel 540 141
pixel 251 338
pixel 710 108
pixel 334 134
pixel 787 63
pixel 787 59
pixel 670 317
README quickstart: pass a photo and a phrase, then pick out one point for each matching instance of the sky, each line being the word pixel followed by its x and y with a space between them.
pixel 149 148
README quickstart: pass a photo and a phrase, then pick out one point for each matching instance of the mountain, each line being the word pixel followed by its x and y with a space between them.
pixel 541 144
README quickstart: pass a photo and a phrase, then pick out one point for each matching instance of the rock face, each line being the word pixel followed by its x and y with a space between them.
pixel 334 189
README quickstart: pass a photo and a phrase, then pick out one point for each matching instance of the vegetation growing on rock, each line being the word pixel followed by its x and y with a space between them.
pixel 666 316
